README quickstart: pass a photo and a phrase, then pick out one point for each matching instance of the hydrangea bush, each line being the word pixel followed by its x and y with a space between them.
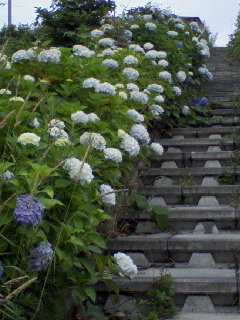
pixel 73 123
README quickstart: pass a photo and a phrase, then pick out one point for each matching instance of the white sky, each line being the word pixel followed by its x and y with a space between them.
pixel 219 15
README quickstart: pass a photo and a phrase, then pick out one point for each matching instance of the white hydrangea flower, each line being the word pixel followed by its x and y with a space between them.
pixel 139 97
pixel 107 42
pixel 110 63
pixel 107 27
pixel 35 123
pixel 156 110
pixel 172 34
pixel 139 132
pixel 151 26
pixel 8 65
pixel 195 39
pixel 92 117
pixel 152 54
pixel 79 117
pixel 154 87
pixel 136 48
pixel 96 33
pixel 131 73
pixel 185 110
pixel 119 86
pixel 29 78
pixel 127 34
pixel 79 171
pixel 159 99
pixel 5 91
pixel 123 95
pixel 147 17
pixel 90 83
pixel 7 175
pixel 82 51
pixel 51 55
pixel 190 73
pixel 177 91
pixel 165 75
pixel 126 265
pixel 163 63
pixel 194 25
pixel 16 99
pixel 157 148
pixel 130 60
pixel 205 73
pixel 21 55
pixel 134 27
pixel 135 115
pixel 94 139
pixel 130 145
pixel 121 133
pixel 132 87
pixel 181 75
pixel 113 154
pixel 180 26
pixel 205 53
pixel 55 132
pixel 108 52
pixel 56 123
pixel 106 88
pixel 29 138
pixel 108 195
pixel 148 46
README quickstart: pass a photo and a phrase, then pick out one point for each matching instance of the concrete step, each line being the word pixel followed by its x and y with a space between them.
pixel 206 316
pixel 184 218
pixel 193 195
pixel 205 132
pixel 167 247
pixel 225 112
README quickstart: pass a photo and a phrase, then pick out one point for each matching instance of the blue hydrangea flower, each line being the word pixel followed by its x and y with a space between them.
pixel 203 102
pixel 1 270
pixel 29 211
pixel 41 257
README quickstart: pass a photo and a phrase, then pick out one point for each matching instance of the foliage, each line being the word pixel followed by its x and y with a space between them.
pixel 67 17
pixel 234 41
pixel 160 303
pixel 46 112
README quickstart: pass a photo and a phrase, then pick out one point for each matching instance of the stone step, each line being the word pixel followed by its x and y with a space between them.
pixel 220 285
pixel 205 132
pixel 201 144
pixel 166 247
pixel 193 195
pixel 206 316
pixel 224 112
pixel 184 218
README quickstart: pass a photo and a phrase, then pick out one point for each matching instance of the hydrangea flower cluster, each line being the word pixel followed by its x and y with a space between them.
pixel 5 91
pixel 154 87
pixel 23 55
pixel 139 132
pixel 185 110
pixel 94 139
pixel 147 17
pixel 92 117
pixel 79 117
pixel 126 265
pixel 79 171
pixel 107 42
pixel 51 55
pixel 132 87
pixel 82 51
pixel 150 26
pixel 163 63
pixel 130 145
pixel 113 64
pixel 105 87
pixel 134 26
pixel 29 78
pixel 148 46
pixel 136 116
pixel 139 97
pixel 129 60
pixel 131 73
pixel 205 73
pixel 136 48
pixel 7 175
pixel 108 52
pixel 123 95
pixel 172 34
pixel 165 75
pixel 108 195
pixel 29 211
pixel 181 75
pixel 28 138
pixel 113 154
pixel 96 33
pixel 41 257
pixel 159 99
pixel 16 99
pixel 157 148
pixel 156 110
pixel 90 83
pixel 177 91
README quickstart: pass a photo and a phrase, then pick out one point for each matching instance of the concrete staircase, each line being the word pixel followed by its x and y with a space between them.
pixel 201 247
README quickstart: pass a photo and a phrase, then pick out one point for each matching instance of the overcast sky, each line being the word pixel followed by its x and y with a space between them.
pixel 219 15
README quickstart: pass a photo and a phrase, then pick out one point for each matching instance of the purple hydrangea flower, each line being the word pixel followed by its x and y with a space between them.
pixel 29 211
pixel 1 270
pixel 41 257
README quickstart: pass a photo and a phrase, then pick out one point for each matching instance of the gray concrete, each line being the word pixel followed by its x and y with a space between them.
pixel 206 316
pixel 202 260
pixel 198 303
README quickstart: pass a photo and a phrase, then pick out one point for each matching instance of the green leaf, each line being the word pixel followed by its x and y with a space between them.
pixel 49 203
pixel 96 238
pixel 159 216
pixel 94 249
pixel 90 292
pixel 113 285
pixel 89 265
pixel 5 166
pixel 141 201
pixel 61 183
pixel 77 242
pixel 49 190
